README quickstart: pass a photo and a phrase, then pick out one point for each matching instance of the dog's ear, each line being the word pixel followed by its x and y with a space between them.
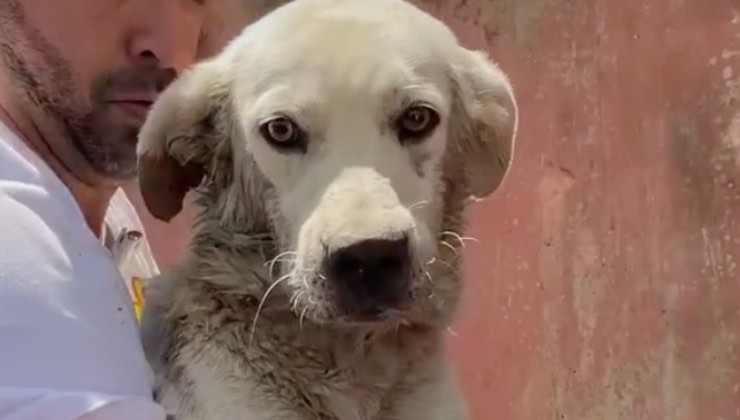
pixel 483 122
pixel 178 141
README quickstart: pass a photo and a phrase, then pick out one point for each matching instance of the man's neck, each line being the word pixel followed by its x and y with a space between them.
pixel 92 200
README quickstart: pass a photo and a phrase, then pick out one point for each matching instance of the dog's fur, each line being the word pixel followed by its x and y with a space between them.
pixel 249 326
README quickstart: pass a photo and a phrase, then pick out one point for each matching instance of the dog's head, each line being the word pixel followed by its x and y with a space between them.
pixel 352 131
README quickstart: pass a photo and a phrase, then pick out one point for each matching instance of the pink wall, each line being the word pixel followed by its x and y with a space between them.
pixel 606 285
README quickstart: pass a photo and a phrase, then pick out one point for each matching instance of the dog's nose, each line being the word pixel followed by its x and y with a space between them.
pixel 370 276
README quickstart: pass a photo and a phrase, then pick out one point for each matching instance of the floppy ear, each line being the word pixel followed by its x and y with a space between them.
pixel 179 140
pixel 484 121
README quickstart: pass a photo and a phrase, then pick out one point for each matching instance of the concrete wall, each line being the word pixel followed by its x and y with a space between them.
pixel 606 285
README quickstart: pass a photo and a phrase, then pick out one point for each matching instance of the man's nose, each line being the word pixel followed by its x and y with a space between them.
pixel 168 35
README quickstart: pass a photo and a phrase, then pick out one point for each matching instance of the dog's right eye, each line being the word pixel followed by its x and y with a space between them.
pixel 284 134
pixel 416 123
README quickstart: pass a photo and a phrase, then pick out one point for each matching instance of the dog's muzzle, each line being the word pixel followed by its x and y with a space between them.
pixel 370 277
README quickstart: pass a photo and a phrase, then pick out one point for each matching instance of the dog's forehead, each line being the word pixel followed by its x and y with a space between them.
pixel 365 78
pixel 338 20
pixel 379 45
pixel 349 33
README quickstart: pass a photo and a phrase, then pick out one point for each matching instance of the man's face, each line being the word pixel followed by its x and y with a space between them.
pixel 88 70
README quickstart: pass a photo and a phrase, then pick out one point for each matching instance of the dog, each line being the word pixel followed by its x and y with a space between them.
pixel 331 149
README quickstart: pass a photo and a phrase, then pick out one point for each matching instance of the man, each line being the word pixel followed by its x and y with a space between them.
pixel 76 80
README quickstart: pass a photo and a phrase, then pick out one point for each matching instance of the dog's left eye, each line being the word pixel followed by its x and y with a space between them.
pixel 283 133
pixel 416 123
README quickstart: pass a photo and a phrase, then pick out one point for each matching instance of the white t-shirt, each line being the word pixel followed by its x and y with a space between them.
pixel 69 343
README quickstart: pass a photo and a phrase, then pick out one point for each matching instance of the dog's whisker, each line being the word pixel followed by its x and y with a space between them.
pixel 294 300
pixel 459 238
pixel 262 302
pixel 469 238
pixel 451 331
pixel 449 246
pixel 446 264
pixel 300 318
pixel 441 261
pixel 428 275
pixel 418 204
pixel 279 257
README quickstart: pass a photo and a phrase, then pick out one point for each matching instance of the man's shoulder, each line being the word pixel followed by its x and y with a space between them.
pixel 46 243
pixel 22 167
pixel 36 227
pixel 34 203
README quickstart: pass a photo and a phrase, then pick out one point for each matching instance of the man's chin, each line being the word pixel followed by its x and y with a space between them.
pixel 111 152
pixel 111 164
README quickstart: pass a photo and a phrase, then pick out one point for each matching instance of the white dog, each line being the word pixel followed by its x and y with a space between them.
pixel 332 147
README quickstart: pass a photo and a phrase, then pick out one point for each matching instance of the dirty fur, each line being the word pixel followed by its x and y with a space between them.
pixel 248 326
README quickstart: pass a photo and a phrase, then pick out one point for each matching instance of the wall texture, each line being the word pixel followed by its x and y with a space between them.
pixel 606 285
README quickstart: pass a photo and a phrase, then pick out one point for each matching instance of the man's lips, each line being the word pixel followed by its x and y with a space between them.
pixel 146 101
pixel 134 99
pixel 137 107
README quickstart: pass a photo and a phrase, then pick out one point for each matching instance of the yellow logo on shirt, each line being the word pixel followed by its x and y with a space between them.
pixel 137 284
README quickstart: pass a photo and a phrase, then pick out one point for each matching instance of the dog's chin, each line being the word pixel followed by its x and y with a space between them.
pixel 373 320
pixel 333 314
pixel 389 322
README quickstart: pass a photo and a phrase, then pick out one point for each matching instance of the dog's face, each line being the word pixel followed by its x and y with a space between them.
pixel 352 130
